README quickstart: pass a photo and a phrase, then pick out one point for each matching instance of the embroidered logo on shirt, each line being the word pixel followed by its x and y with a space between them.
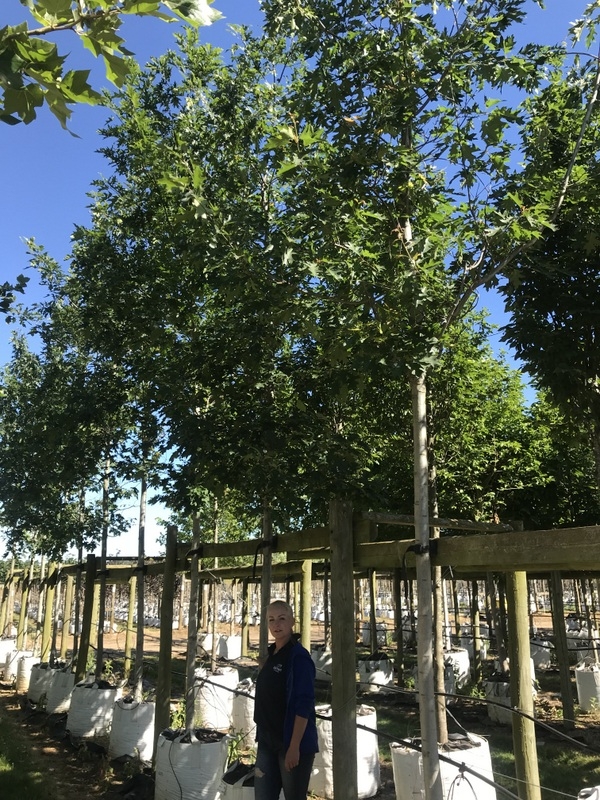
pixel 277 667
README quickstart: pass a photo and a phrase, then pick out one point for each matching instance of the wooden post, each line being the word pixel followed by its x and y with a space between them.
pixel 96 635
pixel 343 647
pixel 163 684
pixel 3 607
pixel 192 638
pixel 305 604
pixel 521 694
pixel 48 617
pixel 23 617
pixel 86 624
pixel 8 602
pixel 67 604
pixel 562 650
pixel 111 615
pixel 129 628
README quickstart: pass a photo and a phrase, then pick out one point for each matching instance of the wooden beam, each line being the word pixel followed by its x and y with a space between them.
pixel 435 522
pixel 570 549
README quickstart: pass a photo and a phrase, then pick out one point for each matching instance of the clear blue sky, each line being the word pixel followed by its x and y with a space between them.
pixel 46 173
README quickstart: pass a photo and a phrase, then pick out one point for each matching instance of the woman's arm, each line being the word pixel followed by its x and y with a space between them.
pixel 292 756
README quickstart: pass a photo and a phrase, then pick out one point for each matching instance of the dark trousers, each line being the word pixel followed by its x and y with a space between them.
pixel 271 776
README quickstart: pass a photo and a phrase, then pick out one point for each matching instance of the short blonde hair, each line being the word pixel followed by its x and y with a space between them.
pixel 282 605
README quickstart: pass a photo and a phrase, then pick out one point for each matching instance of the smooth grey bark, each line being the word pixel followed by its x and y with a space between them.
pixel 427 705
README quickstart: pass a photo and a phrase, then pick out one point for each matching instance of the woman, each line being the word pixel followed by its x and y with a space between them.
pixel 284 712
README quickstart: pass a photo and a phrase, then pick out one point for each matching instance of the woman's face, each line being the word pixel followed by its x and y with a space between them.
pixel 281 623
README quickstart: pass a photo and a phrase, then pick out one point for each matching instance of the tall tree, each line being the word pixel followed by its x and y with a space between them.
pixel 396 141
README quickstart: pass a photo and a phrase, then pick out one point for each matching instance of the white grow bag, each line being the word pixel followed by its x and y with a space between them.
pixel 132 730
pixel 367 765
pixel 191 770
pixel 459 661
pixel 381 630
pixel 541 653
pixel 24 666
pixel 375 676
pixel 467 640
pixel 11 663
pixel 58 695
pixel 213 698
pixel 587 678
pixel 91 711
pixel 242 717
pixel 237 788
pixel 498 692
pixel 407 766
pixel 230 647
pixel 591 793
pixel 322 660
pixel 6 647
pixel 39 680
pixel 205 643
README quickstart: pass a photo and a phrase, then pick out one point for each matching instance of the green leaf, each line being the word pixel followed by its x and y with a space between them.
pixel 117 68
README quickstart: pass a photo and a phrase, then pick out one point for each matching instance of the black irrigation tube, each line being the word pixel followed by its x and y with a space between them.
pixel 462 768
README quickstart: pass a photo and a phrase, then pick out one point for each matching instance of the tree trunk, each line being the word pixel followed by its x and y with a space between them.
pixel 104 548
pixel 40 605
pixel 562 651
pixel 130 630
pixel 67 606
pixel 265 579
pixel 373 610
pixel 163 686
pixel 192 639
pixel 86 623
pixel 477 671
pixel 399 626
pixel 456 608
pixel 23 615
pixel 343 651
pixel 49 592
pixel 245 627
pixel 326 621
pixel 427 705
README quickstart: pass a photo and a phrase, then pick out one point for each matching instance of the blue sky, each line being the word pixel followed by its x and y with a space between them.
pixel 46 173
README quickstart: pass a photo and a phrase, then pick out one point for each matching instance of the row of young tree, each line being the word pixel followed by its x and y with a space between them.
pixel 284 261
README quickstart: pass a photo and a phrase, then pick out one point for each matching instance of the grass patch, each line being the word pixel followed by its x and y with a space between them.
pixel 20 776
